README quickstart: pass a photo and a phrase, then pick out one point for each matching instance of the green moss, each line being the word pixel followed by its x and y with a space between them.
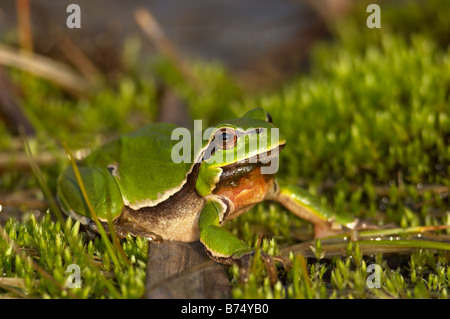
pixel 371 122
pixel 46 244
pixel 367 128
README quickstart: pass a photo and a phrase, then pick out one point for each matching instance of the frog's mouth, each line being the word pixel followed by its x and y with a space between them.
pixel 264 159
pixel 245 166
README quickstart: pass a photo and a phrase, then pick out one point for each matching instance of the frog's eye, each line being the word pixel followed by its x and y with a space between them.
pixel 226 138
pixel 269 118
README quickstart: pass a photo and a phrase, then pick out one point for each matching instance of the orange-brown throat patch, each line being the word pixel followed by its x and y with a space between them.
pixel 246 191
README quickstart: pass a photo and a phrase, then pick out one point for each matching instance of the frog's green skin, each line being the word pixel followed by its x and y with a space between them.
pixel 134 182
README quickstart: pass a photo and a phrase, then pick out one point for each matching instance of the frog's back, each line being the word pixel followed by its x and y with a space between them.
pixel 141 164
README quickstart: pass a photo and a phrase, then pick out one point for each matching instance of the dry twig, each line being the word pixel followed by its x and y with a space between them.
pixel 57 72
pixel 153 30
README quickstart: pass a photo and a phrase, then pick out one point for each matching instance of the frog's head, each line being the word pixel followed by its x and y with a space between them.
pixel 251 139
pixel 238 149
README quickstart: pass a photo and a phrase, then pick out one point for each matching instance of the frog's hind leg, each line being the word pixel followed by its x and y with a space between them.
pixel 121 230
pixel 89 226
pixel 101 190
pixel 310 208
pixel 105 198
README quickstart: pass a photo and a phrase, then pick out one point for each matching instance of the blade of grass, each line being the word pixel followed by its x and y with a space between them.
pixel 97 222
pixel 45 189
pixel 24 24
pixel 41 66
pixel 57 212
pixel 300 264
pixel 155 33
pixel 33 264
pixel 116 241
pixel 390 231
pixel 333 247
pixel 408 243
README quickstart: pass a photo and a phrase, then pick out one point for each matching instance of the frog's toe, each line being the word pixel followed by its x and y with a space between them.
pixel 322 230
pixel 331 228
pixel 91 230
pixel 136 231
pixel 121 231
pixel 270 267
pixel 245 261
pixel 364 224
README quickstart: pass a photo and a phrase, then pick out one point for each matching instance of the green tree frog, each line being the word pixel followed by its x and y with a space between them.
pixel 135 182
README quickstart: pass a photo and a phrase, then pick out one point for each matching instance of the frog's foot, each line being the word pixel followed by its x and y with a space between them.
pixel 327 229
pixel 331 228
pixel 136 231
pixel 245 261
pixel 121 230
pixel 309 207
pixel 360 224
pixel 90 229
pixel 223 246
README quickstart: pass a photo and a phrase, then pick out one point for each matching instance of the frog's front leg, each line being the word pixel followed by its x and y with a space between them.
pixel 221 245
pixel 310 208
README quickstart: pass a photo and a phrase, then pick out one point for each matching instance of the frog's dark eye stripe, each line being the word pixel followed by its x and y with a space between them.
pixel 113 169
pixel 269 118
